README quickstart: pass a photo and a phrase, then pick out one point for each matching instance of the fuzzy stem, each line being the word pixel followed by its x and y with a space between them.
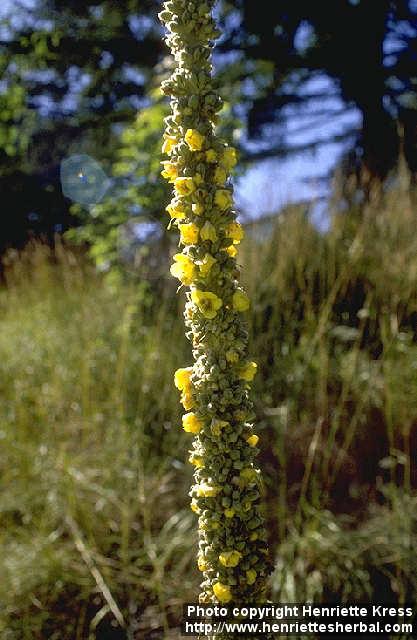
pixel 215 390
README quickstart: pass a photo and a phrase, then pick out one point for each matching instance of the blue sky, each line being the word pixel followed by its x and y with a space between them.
pixel 274 183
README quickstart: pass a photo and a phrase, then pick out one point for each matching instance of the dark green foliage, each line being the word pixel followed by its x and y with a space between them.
pixel 73 73
pixel 367 48
pixel 113 228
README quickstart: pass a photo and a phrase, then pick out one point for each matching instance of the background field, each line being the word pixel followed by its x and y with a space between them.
pixel 95 529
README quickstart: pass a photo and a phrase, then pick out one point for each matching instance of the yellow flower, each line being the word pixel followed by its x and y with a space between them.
pixel 240 301
pixel 187 401
pixel 194 506
pixel 184 268
pixel 198 178
pixel 191 424
pixel 248 371
pixel 189 233
pixel 251 576
pixel 253 440
pixel 220 175
pixel 170 170
pixel 194 139
pixel 222 592
pixel 232 251
pixel 197 461
pixel 229 513
pixel 202 563
pixel 182 378
pixel 223 198
pixel 230 558
pixel 211 155
pixel 169 144
pixel 207 302
pixel 184 186
pixel 208 232
pixel 205 490
pixel 197 208
pixel 206 264
pixel 229 158
pixel 175 211
pixel 234 230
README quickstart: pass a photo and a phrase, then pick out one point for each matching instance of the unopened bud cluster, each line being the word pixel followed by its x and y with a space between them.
pixel 214 391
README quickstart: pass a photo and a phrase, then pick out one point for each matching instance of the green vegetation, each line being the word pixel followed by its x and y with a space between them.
pixel 232 554
pixel 75 74
pixel 95 528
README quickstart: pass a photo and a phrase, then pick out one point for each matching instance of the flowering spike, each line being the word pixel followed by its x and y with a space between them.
pixel 226 494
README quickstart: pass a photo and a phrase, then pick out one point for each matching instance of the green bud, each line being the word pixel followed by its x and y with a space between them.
pixel 165 16
pixel 226 518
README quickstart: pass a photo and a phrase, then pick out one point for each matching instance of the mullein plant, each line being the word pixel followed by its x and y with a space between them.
pixel 233 554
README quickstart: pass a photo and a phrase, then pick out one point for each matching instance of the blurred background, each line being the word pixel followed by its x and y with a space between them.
pixel 321 100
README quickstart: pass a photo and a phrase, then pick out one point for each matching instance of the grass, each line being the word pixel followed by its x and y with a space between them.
pixel 96 537
pixel 90 445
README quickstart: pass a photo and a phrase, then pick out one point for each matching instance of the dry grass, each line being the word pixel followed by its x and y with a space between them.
pixel 96 537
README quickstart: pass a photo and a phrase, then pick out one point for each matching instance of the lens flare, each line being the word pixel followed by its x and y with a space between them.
pixel 83 180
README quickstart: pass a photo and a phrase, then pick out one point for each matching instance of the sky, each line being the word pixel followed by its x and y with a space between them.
pixel 272 184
